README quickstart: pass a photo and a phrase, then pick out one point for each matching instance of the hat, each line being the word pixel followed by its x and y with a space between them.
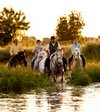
pixel 52 37
pixel 15 40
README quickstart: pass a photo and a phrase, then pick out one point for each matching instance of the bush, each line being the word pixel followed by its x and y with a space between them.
pixel 92 51
pixel 93 70
pixel 80 78
pixel 22 79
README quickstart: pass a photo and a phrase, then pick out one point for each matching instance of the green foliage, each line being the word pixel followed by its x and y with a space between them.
pixel 70 27
pixel 28 41
pixel 93 70
pixel 92 51
pixel 80 78
pixel 21 80
pixel 45 41
pixel 10 23
pixel 62 29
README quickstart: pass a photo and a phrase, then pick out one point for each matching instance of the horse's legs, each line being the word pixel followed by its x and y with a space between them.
pixel 70 61
pixel 54 78
pixel 64 63
pixel 25 63
pixel 32 63
pixel 62 77
pixel 47 64
pixel 83 60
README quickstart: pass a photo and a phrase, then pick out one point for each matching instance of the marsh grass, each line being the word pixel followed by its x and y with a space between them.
pixel 89 75
pixel 92 51
pixel 22 79
pixel 93 70
pixel 80 78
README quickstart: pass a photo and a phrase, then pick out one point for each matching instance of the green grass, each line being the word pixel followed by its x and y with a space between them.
pixel 92 51
pixel 22 79
pixel 85 77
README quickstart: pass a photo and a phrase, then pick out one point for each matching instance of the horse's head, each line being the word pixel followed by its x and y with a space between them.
pixel 59 57
pixel 21 55
pixel 56 64
pixel 76 53
pixel 42 54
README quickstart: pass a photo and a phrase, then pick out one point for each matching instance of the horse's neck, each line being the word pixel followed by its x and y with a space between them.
pixel 77 63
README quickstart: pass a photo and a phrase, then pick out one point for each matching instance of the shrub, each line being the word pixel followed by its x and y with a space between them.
pixel 93 70
pixel 80 78
pixel 92 51
pixel 22 79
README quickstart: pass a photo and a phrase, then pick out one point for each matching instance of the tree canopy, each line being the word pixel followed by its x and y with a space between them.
pixel 70 27
pixel 11 22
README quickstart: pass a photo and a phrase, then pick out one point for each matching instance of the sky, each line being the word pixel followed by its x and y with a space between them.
pixel 43 14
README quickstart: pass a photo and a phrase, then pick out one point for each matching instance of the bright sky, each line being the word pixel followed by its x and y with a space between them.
pixel 43 14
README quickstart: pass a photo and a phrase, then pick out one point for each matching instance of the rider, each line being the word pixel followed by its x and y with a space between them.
pixel 74 46
pixel 51 48
pixel 38 48
pixel 15 48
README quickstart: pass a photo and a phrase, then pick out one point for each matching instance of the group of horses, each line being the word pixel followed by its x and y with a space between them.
pixel 56 63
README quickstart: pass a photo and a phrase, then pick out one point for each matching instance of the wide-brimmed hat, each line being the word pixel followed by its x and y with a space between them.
pixel 15 40
pixel 52 37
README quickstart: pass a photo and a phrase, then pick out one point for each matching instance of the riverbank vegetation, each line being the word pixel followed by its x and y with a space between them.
pixel 24 79
pixel 85 77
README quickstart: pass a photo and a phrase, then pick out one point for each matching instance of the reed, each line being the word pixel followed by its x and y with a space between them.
pixel 89 75
pixel 22 79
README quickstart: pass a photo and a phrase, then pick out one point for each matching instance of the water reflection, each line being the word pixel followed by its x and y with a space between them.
pixel 62 98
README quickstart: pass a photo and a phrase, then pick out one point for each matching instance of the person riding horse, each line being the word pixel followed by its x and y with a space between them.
pixel 15 48
pixel 17 54
pixel 51 48
pixel 38 48
pixel 76 45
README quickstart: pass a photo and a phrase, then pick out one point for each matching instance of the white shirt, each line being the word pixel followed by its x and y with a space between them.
pixel 75 46
pixel 37 49
pixel 15 49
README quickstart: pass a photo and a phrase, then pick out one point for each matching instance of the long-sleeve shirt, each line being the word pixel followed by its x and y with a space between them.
pixel 37 49
pixel 15 49
pixel 74 46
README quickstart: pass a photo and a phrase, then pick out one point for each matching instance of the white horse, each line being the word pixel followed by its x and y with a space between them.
pixel 76 60
pixel 39 63
pixel 56 65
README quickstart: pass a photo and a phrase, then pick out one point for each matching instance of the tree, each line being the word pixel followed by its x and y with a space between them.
pixel 70 27
pixel 11 22
pixel 62 28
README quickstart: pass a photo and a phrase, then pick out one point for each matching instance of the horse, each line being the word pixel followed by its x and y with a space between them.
pixel 76 60
pixel 39 62
pixel 18 60
pixel 56 65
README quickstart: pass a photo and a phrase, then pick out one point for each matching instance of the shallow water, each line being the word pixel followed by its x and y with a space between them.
pixel 62 98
